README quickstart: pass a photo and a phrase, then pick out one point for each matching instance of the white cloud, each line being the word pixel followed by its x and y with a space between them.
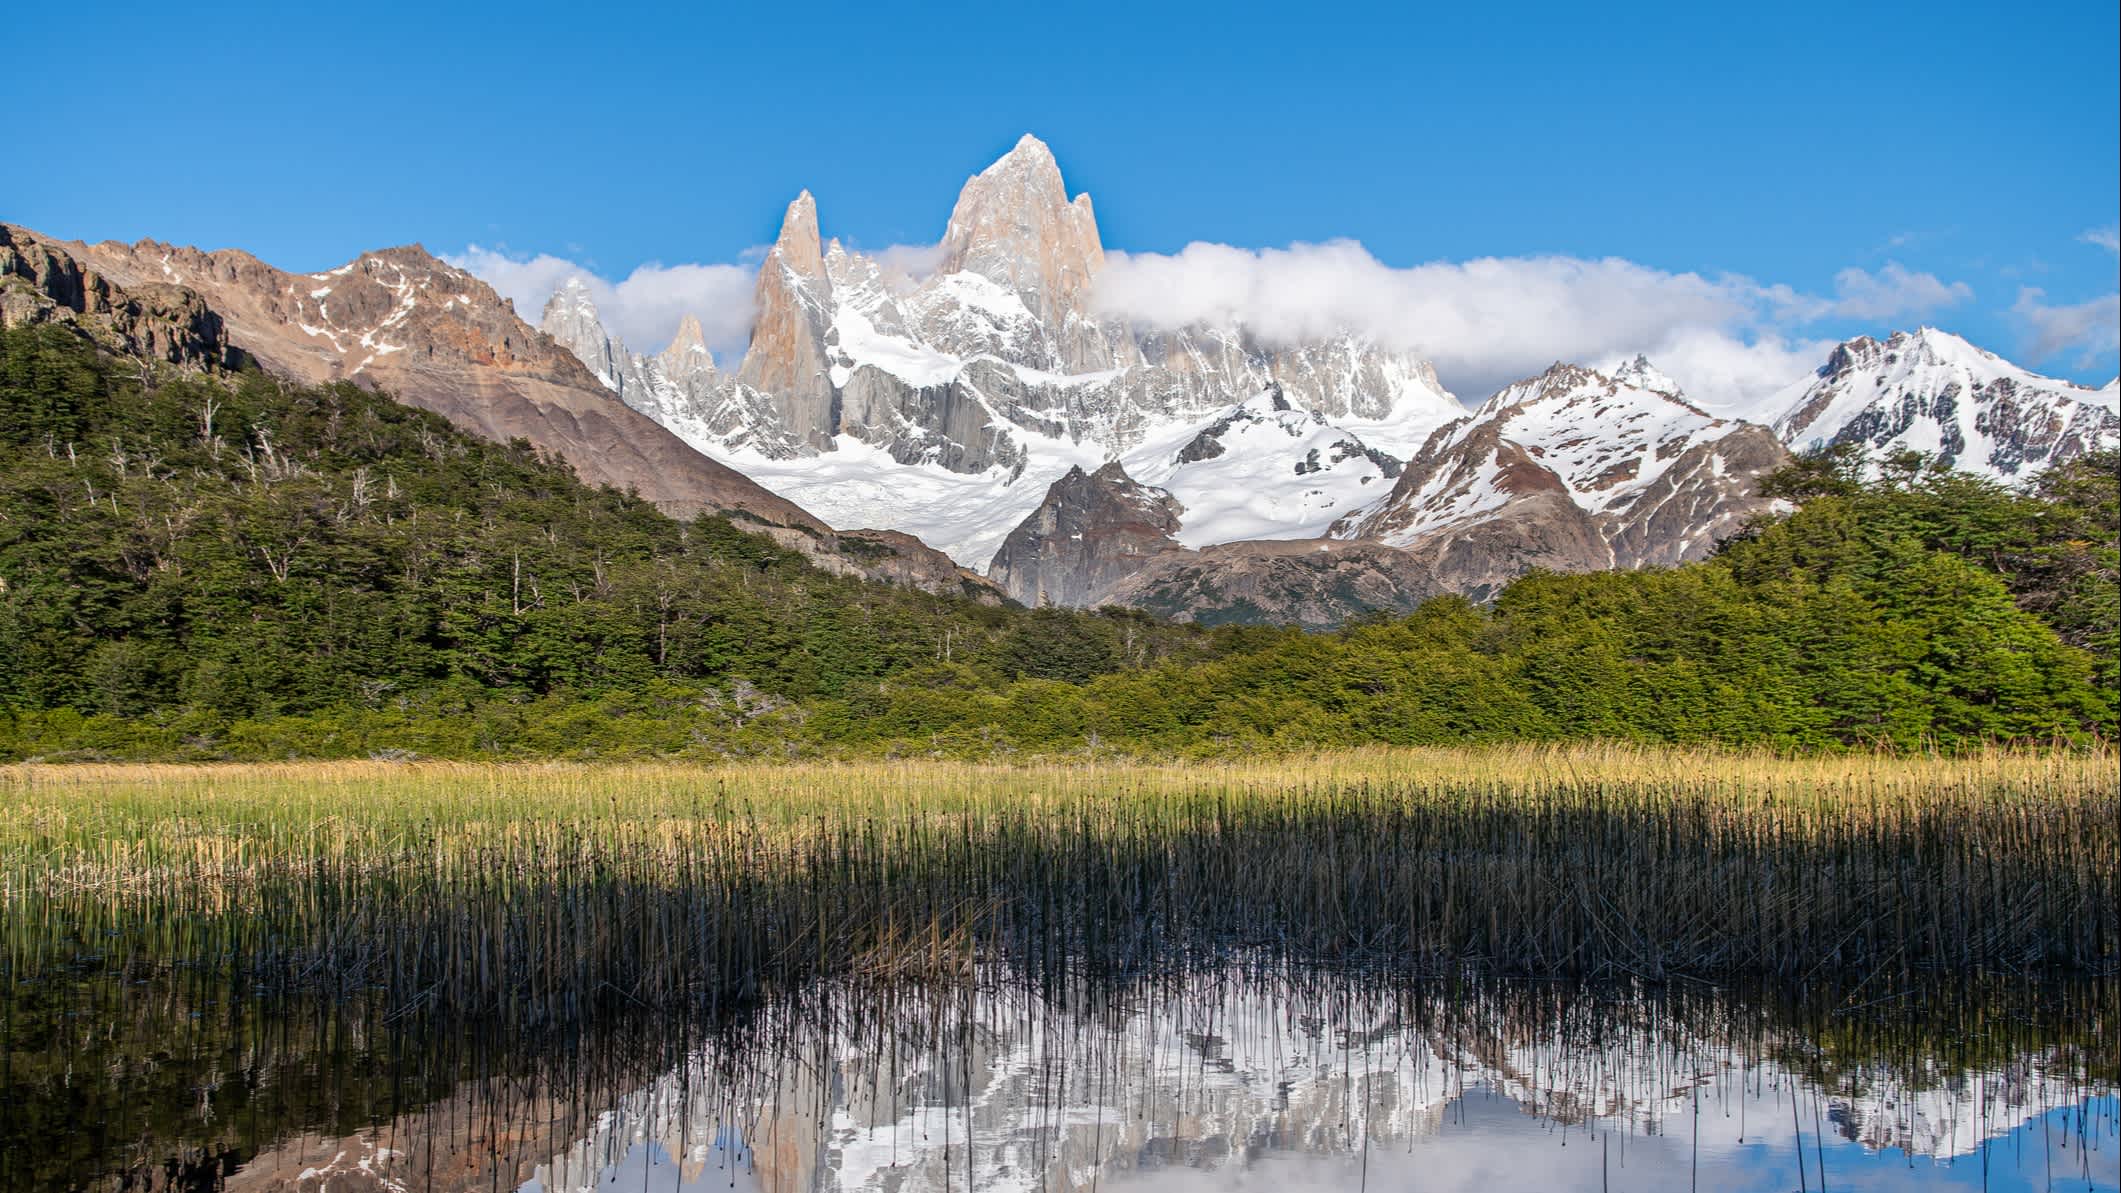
pixel 1892 291
pixel 1726 375
pixel 911 262
pixel 2090 329
pixel 2108 238
pixel 642 309
pixel 1487 322
pixel 1729 339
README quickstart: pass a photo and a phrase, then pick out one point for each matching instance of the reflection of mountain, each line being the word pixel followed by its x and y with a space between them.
pixel 1013 1094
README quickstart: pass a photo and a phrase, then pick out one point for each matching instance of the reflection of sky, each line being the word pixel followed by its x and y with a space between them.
pixel 649 1168
pixel 1489 1144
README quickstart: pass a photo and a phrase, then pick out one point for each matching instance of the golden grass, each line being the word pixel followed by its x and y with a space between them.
pixel 1588 859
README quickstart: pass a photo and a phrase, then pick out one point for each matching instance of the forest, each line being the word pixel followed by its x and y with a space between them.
pixel 198 567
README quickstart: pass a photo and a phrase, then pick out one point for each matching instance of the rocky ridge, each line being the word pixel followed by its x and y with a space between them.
pixel 41 282
pixel 435 337
pixel 1930 391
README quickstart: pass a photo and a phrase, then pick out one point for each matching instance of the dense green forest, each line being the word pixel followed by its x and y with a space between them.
pixel 196 567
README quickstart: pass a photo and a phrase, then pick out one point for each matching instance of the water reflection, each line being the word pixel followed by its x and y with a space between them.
pixel 1242 1084
pixel 1232 1079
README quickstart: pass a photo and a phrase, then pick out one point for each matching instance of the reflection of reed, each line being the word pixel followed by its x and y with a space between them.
pixel 938 1088
pixel 1074 1076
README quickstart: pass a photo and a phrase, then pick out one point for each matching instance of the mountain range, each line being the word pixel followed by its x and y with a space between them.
pixel 1002 434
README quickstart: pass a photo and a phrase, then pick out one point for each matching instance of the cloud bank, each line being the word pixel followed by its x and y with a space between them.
pixel 642 309
pixel 1484 323
pixel 1730 340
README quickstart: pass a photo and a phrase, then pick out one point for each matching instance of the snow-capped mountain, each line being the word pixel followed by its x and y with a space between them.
pixel 1573 470
pixel 1931 391
pixel 980 400
pixel 946 403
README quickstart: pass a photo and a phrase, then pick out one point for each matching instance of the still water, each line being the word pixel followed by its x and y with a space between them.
pixel 1228 1080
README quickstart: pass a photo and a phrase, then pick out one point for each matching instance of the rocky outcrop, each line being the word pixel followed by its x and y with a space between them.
pixel 895 557
pixel 43 281
pixel 1932 391
pixel 1091 531
pixel 1313 583
pixel 1015 226
pixel 787 360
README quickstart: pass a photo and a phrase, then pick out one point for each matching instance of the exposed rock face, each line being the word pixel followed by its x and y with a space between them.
pixel 787 361
pixel 42 281
pixel 1573 471
pixel 1091 531
pixel 1931 391
pixel 1313 583
pixel 996 366
pixel 570 318
pixel 1014 225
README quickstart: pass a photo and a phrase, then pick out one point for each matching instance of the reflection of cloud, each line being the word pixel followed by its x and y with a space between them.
pixel 2090 329
pixel 1488 1144
pixel 1493 320
pixel 643 308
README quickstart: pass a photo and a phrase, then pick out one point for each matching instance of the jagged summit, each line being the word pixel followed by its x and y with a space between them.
pixel 1641 374
pixel 1014 225
pixel 1931 391
pixel 798 246
pixel 942 401
pixel 689 344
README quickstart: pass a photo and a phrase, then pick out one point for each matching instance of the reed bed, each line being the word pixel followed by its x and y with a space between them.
pixel 538 894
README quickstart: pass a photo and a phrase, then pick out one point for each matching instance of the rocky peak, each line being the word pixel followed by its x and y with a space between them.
pixel 570 315
pixel 1851 355
pixel 1932 391
pixel 1092 530
pixel 798 247
pixel 1639 373
pixel 787 360
pixel 571 319
pixel 42 281
pixel 687 350
pixel 1014 225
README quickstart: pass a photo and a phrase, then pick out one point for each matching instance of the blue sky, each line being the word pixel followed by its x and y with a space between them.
pixel 1974 145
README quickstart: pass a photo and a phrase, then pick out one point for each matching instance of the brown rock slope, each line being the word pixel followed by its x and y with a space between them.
pixel 1313 583
pixel 438 338
pixel 1092 530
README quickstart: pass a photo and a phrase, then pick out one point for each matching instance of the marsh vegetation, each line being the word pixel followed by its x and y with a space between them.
pixel 360 940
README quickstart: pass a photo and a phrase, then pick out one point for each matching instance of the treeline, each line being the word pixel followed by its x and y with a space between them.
pixel 196 567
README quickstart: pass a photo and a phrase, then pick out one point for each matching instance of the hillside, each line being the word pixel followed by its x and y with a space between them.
pixel 202 566
pixel 191 549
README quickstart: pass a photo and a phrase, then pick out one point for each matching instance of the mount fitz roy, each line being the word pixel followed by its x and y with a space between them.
pixel 990 408
pixel 1006 436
